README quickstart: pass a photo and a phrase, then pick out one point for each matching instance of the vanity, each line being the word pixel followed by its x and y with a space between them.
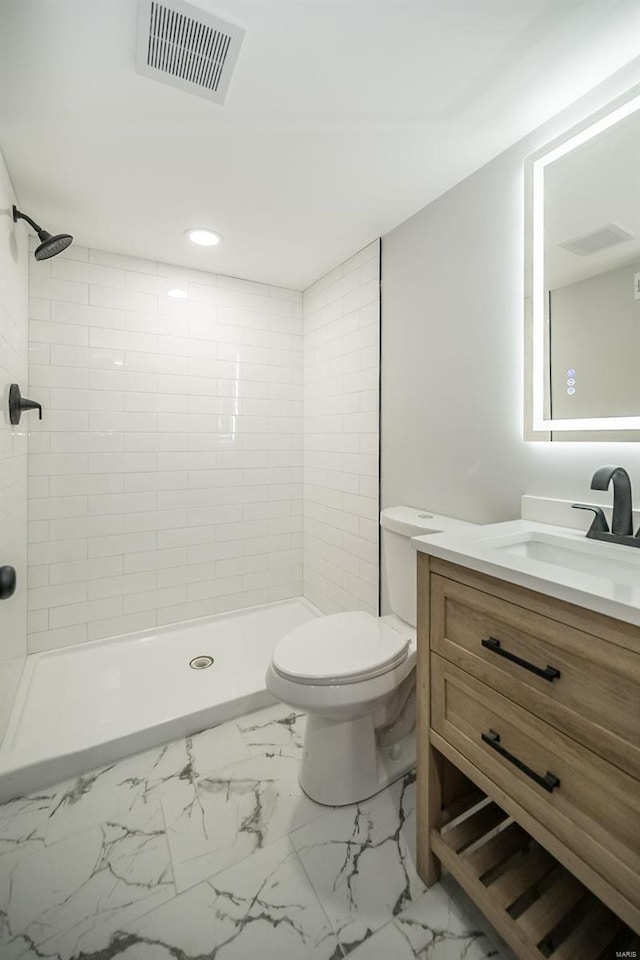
pixel 528 730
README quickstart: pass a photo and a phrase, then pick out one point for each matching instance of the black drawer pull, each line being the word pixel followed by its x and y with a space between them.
pixel 547 673
pixel 548 783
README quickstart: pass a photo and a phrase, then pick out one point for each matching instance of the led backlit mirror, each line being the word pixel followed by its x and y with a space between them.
pixel 585 243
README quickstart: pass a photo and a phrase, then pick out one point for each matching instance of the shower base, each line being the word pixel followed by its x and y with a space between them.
pixel 85 706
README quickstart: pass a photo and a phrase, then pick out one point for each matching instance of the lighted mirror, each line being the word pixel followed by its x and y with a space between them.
pixel 585 244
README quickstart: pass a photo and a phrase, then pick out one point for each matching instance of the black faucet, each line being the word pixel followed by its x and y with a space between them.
pixel 622 519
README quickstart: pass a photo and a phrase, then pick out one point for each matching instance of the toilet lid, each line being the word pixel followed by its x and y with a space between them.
pixel 340 648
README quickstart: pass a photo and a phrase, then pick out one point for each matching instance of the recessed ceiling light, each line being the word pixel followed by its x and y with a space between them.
pixel 178 294
pixel 204 238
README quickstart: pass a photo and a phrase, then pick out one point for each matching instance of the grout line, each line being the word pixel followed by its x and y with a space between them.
pixel 312 885
pixel 166 839
pixel 379 423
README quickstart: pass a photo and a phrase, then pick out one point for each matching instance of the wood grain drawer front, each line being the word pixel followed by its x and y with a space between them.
pixel 594 808
pixel 585 686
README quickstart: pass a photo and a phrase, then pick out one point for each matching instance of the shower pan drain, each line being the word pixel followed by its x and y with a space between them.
pixel 201 663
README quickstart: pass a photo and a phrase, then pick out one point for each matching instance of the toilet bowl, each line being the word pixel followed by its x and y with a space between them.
pixel 354 675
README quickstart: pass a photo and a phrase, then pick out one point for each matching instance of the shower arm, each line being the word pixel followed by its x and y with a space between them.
pixel 18 215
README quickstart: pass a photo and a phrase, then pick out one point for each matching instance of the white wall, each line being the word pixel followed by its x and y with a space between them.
pixel 452 344
pixel 166 475
pixel 341 420
pixel 13 444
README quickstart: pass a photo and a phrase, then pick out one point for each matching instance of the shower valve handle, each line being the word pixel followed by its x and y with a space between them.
pixel 7 582
pixel 18 403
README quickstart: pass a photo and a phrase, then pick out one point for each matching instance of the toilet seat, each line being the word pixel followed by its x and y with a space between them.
pixel 338 649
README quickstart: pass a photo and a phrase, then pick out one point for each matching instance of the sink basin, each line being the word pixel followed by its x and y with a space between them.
pixel 583 556
pixel 557 561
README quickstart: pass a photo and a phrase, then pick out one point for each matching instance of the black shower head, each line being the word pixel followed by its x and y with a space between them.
pixel 50 245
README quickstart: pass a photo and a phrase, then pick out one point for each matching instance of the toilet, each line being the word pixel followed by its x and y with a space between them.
pixel 354 675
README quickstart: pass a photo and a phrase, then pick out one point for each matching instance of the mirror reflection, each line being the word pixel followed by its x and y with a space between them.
pixel 586 273
pixel 592 275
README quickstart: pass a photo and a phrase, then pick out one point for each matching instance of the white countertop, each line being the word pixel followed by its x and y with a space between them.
pixel 613 590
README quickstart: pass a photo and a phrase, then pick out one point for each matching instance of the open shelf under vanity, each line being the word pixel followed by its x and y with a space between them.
pixel 538 907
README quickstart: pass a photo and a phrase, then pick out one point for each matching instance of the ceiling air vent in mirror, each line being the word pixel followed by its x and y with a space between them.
pixel 187 48
pixel 596 240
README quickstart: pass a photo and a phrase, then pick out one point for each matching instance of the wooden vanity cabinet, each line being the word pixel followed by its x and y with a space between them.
pixel 529 761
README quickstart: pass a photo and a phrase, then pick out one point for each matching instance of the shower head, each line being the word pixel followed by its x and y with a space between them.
pixel 49 245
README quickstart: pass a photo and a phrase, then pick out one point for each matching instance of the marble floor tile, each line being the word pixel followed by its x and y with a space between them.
pixel 438 927
pixel 388 943
pixel 402 795
pixel 263 908
pixel 68 899
pixel 216 747
pixel 274 730
pixel 136 781
pixel 87 867
pixel 360 864
pixel 23 824
pixel 233 812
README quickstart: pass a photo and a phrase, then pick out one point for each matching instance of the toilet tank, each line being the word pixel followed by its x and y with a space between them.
pixel 399 524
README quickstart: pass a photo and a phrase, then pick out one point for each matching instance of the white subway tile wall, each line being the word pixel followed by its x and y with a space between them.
pixel 341 417
pixel 166 475
pixel 14 253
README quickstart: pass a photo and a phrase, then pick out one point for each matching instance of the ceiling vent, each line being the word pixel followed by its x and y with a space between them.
pixel 596 240
pixel 187 48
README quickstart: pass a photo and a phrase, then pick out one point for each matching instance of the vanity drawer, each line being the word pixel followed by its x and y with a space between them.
pixel 594 808
pixel 586 686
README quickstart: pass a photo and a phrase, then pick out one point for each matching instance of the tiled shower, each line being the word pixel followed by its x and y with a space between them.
pixel 206 442
pixel 166 476
pixel 341 315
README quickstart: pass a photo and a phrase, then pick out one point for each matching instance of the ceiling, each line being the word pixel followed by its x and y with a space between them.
pixel 343 118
